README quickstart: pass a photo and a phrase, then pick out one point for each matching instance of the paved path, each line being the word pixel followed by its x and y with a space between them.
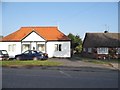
pixel 78 63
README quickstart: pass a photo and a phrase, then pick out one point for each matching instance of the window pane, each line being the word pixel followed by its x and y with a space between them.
pixel 118 51
pixel 9 47
pixel 84 49
pixel 13 47
pixel 25 47
pixel 89 50
pixel 56 47
pixel 102 50
pixel 41 47
pixel 60 47
pixel 4 52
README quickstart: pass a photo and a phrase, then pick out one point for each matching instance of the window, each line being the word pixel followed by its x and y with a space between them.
pixel 4 52
pixel 89 50
pixel 118 51
pixel 25 47
pixel 58 47
pixel 12 47
pixel 9 47
pixel 102 50
pixel 27 52
pixel 84 49
pixel 41 47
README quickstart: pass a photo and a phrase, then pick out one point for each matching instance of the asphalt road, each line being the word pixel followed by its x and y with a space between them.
pixel 44 78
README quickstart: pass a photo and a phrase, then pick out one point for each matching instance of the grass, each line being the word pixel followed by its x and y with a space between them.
pixel 55 63
pixel 101 61
pixel 29 63
pixel 95 61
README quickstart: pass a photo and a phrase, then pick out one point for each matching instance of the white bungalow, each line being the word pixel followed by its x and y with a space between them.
pixel 45 39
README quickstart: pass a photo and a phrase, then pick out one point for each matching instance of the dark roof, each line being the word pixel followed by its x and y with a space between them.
pixel 1 37
pixel 101 40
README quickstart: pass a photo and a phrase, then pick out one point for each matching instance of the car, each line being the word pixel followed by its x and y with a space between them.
pixel 31 55
pixel 4 55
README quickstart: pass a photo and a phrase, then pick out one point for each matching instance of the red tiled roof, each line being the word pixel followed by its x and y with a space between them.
pixel 48 33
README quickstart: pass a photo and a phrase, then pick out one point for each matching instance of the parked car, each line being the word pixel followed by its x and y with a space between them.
pixel 31 55
pixel 4 55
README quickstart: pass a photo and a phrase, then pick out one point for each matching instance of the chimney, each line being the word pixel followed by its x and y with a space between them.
pixel 105 31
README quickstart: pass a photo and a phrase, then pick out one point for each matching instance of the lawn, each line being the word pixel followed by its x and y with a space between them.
pixel 29 63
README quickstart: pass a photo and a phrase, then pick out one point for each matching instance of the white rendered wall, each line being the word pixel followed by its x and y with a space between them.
pixel 65 52
pixel 17 50
pixel 33 37
pixel 50 48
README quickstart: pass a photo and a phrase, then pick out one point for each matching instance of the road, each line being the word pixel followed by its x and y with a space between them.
pixel 46 78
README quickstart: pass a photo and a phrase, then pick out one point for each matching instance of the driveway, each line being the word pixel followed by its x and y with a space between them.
pixel 80 63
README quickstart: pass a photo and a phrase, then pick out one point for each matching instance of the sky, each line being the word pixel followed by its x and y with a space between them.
pixel 70 17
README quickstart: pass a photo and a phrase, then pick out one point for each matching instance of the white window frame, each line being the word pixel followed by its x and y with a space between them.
pixel 84 49
pixel 9 47
pixel 12 47
pixel 23 49
pixel 102 50
pixel 41 48
pixel 58 47
pixel 118 51
pixel 90 50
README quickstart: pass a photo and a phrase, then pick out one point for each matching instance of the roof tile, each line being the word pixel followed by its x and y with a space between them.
pixel 48 33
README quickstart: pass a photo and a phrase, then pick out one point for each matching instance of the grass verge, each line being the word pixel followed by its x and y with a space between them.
pixel 101 61
pixel 29 63
pixel 77 57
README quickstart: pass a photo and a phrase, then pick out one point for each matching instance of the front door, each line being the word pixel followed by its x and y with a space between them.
pixel 33 46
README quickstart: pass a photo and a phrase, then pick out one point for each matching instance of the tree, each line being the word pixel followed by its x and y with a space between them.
pixel 76 42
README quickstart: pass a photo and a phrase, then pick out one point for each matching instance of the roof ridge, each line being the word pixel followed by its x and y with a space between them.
pixel 103 32
pixel 39 27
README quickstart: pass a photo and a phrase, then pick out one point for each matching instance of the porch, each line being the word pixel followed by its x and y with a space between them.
pixel 34 45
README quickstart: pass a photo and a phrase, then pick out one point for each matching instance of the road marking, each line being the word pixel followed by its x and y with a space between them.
pixel 68 75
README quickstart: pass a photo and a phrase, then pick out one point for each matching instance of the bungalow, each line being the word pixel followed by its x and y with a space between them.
pixel 101 45
pixel 46 39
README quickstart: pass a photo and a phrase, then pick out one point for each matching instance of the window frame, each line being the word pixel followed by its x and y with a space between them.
pixel 58 47
pixel 103 50
pixel 23 49
pixel 118 51
pixel 12 47
pixel 89 50
pixel 42 48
